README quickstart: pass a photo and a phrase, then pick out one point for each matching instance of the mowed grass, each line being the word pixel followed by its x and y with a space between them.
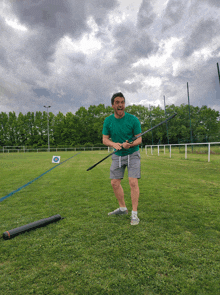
pixel 175 249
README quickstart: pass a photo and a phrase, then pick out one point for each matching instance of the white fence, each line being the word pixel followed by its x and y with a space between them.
pixel 208 144
pixel 25 149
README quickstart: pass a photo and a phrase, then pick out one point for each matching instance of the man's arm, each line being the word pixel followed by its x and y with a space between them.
pixel 108 142
pixel 138 141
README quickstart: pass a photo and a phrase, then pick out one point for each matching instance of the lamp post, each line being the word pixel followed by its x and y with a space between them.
pixel 218 73
pixel 165 117
pixel 191 137
pixel 47 107
pixel 151 125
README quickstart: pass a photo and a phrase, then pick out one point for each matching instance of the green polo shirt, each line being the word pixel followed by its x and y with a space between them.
pixel 120 130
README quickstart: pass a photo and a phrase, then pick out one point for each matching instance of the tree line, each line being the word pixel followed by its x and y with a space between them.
pixel 84 128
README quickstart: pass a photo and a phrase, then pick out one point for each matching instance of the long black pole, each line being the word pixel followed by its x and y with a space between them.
pixel 189 113
pixel 218 73
pixel 165 117
pixel 134 138
pixel 191 139
pixel 151 126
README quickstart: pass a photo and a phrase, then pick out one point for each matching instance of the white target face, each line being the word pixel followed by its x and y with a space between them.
pixel 56 159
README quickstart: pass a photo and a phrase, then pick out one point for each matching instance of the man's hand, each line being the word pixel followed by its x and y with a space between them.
pixel 117 145
pixel 126 145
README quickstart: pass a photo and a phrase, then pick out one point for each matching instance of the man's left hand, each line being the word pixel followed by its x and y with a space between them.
pixel 126 145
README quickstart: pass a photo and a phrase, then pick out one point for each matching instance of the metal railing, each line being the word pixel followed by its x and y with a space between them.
pixel 208 144
pixel 25 150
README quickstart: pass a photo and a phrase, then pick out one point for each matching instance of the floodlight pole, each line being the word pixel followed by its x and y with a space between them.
pixel 47 107
pixel 165 117
pixel 218 73
pixel 191 139
pixel 151 125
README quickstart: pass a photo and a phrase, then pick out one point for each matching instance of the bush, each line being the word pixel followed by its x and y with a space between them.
pixel 88 144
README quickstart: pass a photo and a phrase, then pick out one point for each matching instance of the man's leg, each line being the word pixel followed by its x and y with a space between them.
pixel 119 193
pixel 134 192
pixel 134 198
pixel 118 190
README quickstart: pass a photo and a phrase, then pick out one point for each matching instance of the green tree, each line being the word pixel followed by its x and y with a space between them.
pixel 3 128
pixel 58 129
pixel 207 125
pixel 22 132
pixel 12 129
pixel 85 126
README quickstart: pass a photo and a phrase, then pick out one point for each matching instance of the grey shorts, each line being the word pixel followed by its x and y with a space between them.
pixel 132 162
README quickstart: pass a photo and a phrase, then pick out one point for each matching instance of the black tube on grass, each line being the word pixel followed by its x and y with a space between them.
pixel 42 222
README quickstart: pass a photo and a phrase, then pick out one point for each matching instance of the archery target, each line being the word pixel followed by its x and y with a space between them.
pixel 56 159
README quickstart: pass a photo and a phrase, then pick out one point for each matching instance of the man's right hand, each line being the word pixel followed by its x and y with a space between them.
pixel 117 145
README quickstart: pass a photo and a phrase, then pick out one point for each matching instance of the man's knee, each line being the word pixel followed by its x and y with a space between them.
pixel 133 182
pixel 115 183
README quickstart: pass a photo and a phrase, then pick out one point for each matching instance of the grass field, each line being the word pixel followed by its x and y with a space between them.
pixel 175 249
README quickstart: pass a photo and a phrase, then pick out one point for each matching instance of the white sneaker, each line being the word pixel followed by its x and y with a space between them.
pixel 118 212
pixel 134 220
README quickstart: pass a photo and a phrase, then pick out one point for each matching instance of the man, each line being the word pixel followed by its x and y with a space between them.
pixel 118 130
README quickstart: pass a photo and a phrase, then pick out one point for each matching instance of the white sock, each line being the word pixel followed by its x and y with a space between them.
pixel 134 213
pixel 123 208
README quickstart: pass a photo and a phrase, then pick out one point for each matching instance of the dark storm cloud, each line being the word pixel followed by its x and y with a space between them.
pixel 5 31
pixel 51 20
pixel 3 57
pixel 143 46
pixel 59 16
pixel 145 15
pixel 48 63
pixel 201 36
pixel 215 3
pixel 48 22
pixel 41 92
pixel 132 43
pixel 100 8
pixel 201 79
pixel 3 27
pixel 174 13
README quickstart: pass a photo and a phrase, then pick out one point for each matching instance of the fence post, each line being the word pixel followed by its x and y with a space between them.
pixel 158 148
pixel 208 152
pixel 170 150
pixel 185 151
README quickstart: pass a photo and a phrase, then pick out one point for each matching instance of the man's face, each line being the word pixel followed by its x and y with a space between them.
pixel 119 107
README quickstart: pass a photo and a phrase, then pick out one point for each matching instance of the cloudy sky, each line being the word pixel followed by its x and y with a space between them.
pixel 73 53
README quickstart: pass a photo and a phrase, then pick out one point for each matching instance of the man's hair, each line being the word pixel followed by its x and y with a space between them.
pixel 118 94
